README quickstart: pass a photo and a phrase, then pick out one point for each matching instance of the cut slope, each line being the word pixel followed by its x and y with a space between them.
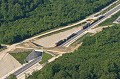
pixel 8 64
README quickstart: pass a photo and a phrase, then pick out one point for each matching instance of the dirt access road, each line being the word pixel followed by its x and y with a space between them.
pixel 13 46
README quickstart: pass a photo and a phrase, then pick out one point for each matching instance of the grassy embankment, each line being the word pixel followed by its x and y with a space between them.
pixel 81 39
pixel 45 57
pixel 21 56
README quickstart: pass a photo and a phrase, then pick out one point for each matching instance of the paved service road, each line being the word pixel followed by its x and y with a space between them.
pixel 106 16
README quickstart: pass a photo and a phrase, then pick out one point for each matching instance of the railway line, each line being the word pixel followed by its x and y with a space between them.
pixel 92 25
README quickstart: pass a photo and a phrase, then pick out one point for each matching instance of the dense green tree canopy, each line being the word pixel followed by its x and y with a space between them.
pixel 12 77
pixel 0 46
pixel 97 58
pixel 20 19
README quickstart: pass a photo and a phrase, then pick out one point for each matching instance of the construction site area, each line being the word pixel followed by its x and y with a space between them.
pixel 47 44
pixel 50 46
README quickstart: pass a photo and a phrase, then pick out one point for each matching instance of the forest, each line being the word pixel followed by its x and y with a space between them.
pixel 97 58
pixel 21 19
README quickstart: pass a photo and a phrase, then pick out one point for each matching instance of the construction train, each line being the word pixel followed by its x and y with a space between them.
pixel 64 40
pixel 89 23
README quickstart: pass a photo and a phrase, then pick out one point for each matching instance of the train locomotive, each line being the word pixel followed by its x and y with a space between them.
pixel 64 40
pixel 84 27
